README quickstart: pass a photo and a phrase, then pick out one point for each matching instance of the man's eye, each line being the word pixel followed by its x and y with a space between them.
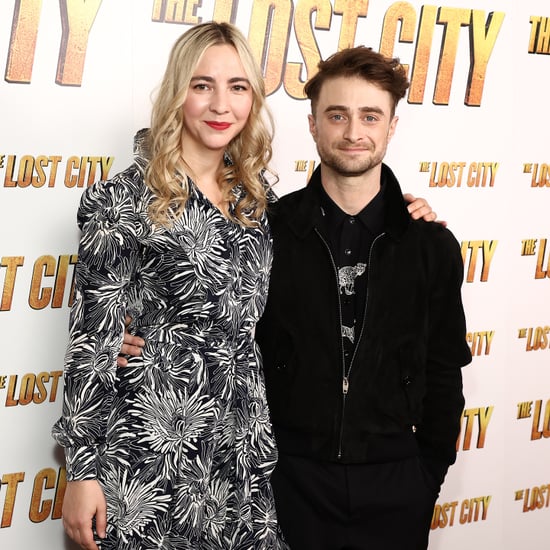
pixel 337 117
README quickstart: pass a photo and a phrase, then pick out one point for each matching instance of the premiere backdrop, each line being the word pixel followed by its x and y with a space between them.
pixel 472 138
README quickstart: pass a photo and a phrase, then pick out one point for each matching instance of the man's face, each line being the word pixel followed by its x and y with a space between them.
pixel 352 125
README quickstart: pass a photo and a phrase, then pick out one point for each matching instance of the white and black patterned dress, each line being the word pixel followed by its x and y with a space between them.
pixel 180 440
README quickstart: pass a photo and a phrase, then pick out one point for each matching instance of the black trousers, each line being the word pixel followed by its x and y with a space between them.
pixel 328 506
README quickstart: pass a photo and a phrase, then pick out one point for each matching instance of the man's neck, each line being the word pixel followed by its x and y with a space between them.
pixel 351 194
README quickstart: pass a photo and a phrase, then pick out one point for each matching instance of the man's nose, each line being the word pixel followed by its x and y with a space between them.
pixel 353 130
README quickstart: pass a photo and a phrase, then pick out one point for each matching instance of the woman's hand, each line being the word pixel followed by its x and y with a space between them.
pixel 131 345
pixel 419 208
pixel 84 501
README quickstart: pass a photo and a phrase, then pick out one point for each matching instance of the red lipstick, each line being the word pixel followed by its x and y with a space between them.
pixel 218 125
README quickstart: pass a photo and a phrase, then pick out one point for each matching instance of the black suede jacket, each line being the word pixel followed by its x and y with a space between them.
pixel 405 383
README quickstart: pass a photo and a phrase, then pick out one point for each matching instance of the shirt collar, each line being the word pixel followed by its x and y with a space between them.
pixel 372 216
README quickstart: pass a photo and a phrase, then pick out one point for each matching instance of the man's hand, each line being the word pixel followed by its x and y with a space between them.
pixel 83 501
pixel 131 345
pixel 419 208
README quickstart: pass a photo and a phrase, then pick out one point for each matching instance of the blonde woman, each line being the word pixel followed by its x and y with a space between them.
pixel 175 450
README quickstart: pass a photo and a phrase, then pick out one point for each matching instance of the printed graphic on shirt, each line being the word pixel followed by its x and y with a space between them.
pixel 346 280
pixel 349 333
pixel 347 276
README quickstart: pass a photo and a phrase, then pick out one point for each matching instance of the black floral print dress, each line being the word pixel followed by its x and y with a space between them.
pixel 180 440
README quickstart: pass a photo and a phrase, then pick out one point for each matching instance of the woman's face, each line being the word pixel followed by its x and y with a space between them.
pixel 218 101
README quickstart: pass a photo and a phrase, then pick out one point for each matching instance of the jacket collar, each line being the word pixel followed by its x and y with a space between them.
pixel 308 215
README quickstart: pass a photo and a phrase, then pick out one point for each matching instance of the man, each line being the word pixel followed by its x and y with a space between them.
pixel 363 336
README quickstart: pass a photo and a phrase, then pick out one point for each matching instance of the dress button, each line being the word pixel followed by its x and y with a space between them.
pixel 347 251
pixel 352 220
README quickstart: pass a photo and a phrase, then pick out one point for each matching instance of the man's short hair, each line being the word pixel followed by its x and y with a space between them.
pixel 385 72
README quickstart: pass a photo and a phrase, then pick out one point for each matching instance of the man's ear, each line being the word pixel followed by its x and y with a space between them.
pixel 391 130
pixel 312 126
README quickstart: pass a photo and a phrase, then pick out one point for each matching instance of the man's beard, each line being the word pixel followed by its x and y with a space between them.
pixel 348 167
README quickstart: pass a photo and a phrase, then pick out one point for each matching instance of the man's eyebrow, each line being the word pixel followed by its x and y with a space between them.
pixel 330 108
pixel 344 108
pixel 375 109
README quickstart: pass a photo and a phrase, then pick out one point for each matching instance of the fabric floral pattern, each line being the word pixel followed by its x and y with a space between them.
pixel 180 440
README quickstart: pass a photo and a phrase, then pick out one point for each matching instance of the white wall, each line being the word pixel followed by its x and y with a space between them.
pixel 64 114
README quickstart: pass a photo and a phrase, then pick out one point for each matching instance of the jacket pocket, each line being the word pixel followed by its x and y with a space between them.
pixel 412 381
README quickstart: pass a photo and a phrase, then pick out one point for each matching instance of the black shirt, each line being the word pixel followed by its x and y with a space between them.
pixel 350 239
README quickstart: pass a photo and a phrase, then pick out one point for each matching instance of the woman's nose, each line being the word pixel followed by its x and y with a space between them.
pixel 220 102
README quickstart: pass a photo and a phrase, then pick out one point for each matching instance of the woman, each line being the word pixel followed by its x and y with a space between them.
pixel 175 451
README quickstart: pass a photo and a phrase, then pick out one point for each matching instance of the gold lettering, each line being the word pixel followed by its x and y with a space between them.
pixel 484 35
pixel 541 273
pixel 40 509
pixel 524 409
pixel 483 419
pixel 469 414
pixel 61 278
pixel 11 263
pixel 225 10
pixel 489 248
pixel 24 31
pixel 268 38
pixel 422 54
pixel 11 480
pixel 77 18
pixel 40 297
pixel 452 19
pixel 294 83
pixel 528 247
pixel 399 13
pixel 350 12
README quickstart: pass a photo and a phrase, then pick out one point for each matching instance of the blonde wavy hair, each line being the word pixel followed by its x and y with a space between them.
pixel 250 152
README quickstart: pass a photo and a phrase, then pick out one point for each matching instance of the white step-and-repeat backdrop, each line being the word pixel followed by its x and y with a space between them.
pixel 472 138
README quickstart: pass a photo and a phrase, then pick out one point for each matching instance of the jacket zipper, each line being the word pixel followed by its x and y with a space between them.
pixel 366 300
pixel 346 375
pixel 345 379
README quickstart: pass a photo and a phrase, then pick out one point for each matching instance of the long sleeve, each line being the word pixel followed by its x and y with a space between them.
pixel 447 353
pixel 109 252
